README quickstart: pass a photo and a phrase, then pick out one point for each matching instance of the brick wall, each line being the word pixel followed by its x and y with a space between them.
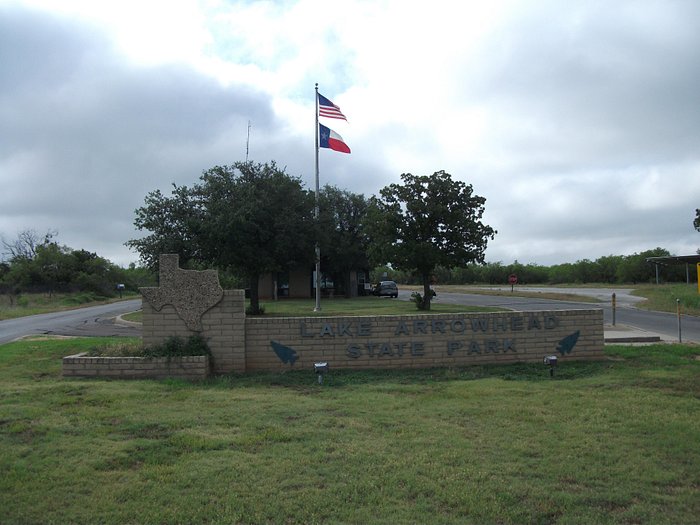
pixel 422 340
pixel 186 367
pixel 224 330
pixel 241 344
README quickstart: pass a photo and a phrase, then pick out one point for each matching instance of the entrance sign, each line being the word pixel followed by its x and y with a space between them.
pixel 244 344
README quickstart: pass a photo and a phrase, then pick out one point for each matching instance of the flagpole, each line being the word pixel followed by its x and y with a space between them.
pixel 316 214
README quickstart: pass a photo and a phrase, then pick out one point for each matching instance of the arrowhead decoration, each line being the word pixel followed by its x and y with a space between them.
pixel 286 354
pixel 567 344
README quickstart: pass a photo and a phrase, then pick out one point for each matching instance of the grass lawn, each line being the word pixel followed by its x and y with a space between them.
pixel 608 442
pixel 662 297
pixel 369 305
pixel 520 291
pixel 357 306
pixel 659 297
pixel 39 303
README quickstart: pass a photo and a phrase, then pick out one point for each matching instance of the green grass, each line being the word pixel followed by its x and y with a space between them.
pixel 134 317
pixel 518 291
pixel 32 304
pixel 341 307
pixel 129 347
pixel 662 298
pixel 659 298
pixel 360 306
pixel 284 307
pixel 616 441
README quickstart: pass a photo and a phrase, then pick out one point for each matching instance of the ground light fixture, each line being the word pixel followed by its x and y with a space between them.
pixel 320 369
pixel 551 361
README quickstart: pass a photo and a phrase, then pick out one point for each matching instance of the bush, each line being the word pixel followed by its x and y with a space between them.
pixel 249 310
pixel 418 299
pixel 82 298
pixel 176 346
pixel 121 349
pixel 172 347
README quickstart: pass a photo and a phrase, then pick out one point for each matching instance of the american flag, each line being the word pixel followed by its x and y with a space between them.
pixel 327 109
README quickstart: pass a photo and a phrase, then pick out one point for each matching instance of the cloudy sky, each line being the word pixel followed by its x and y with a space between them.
pixel 578 121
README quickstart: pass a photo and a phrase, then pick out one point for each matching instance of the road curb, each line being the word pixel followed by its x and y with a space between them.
pixel 123 322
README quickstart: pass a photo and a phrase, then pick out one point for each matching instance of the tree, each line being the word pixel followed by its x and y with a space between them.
pixel 257 219
pixel 635 268
pixel 342 238
pixel 174 225
pixel 26 244
pixel 425 222
pixel 247 218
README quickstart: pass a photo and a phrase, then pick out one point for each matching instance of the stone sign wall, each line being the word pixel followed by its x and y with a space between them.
pixel 223 327
pixel 423 340
pixel 241 344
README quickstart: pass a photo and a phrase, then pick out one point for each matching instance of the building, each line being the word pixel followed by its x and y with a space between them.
pixel 300 283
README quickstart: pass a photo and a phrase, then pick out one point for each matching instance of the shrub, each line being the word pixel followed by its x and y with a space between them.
pixel 249 310
pixel 125 349
pixel 176 346
pixel 172 347
pixel 418 299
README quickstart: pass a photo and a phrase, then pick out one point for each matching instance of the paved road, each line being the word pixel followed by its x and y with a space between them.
pixel 623 296
pixel 90 321
pixel 664 324
pixel 99 320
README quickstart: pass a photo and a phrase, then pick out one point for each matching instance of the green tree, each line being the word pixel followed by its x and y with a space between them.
pixel 635 269
pixel 248 219
pixel 26 244
pixel 427 221
pixel 174 223
pixel 343 241
pixel 607 268
pixel 257 219
pixel 562 273
pixel 493 273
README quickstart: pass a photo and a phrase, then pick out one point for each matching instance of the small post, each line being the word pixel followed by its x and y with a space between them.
pixel 678 309
pixel 614 304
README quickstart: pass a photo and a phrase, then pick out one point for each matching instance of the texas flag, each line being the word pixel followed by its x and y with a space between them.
pixel 330 139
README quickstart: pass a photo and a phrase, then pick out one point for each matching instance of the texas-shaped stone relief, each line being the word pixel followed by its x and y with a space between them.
pixel 190 292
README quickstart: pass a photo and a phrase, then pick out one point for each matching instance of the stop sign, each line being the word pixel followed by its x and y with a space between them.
pixel 512 279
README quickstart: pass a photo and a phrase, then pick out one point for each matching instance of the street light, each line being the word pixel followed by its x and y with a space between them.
pixel 320 369
pixel 551 361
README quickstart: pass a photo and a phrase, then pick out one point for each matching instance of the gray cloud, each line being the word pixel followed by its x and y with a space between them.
pixel 85 136
pixel 588 146
pixel 600 139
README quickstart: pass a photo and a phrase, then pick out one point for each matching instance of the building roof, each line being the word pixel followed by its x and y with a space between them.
pixel 675 259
